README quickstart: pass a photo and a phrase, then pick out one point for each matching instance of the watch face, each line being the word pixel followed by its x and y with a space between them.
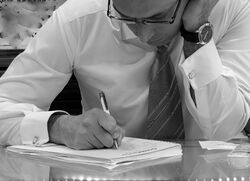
pixel 206 33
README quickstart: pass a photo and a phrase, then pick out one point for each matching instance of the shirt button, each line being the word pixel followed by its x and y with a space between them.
pixel 35 140
pixel 191 75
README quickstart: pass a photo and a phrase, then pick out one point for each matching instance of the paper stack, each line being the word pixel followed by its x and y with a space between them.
pixel 132 150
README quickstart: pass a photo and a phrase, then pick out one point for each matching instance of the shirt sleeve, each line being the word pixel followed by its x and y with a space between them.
pixel 219 74
pixel 33 128
pixel 33 80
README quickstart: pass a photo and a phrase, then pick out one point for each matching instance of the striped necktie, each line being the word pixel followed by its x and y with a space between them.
pixel 165 120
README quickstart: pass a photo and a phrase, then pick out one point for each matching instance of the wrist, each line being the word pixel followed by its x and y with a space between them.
pixel 200 36
pixel 189 48
pixel 54 127
pixel 195 40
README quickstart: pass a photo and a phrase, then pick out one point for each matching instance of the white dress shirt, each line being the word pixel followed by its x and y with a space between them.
pixel 105 55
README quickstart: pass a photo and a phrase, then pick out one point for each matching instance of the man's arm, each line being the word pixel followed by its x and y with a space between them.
pixel 196 14
pixel 222 100
pixel 30 84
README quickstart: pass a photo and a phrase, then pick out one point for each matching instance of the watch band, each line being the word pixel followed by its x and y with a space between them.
pixel 189 36
pixel 201 36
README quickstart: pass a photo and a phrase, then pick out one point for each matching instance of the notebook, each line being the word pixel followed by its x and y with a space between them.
pixel 131 150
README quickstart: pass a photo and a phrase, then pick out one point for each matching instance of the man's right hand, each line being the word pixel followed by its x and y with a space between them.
pixel 93 129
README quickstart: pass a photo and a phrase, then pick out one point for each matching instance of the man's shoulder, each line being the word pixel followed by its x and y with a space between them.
pixel 225 14
pixel 74 9
pixel 230 7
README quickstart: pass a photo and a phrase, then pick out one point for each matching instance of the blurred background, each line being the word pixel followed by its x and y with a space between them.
pixel 19 22
pixel 21 19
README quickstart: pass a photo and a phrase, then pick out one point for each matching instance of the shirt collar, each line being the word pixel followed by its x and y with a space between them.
pixel 126 33
pixel 123 33
pixel 128 36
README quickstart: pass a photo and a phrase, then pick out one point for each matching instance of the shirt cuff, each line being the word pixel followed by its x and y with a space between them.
pixel 203 66
pixel 34 129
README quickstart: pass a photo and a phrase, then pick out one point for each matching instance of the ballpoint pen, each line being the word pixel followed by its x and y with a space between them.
pixel 106 109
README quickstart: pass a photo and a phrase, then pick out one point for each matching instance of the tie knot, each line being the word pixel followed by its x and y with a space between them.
pixel 162 54
pixel 162 49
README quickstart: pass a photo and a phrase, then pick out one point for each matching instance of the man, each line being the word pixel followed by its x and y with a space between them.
pixel 111 47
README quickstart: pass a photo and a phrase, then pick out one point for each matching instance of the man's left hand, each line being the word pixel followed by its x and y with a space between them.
pixel 196 13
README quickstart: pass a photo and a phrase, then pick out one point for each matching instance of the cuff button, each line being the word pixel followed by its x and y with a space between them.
pixel 35 140
pixel 191 75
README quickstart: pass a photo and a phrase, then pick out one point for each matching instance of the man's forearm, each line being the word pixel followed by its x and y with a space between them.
pixel 189 48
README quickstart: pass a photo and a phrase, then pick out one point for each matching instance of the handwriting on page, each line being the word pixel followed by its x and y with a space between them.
pixel 133 148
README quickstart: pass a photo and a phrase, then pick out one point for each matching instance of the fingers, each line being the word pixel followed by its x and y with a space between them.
pixel 109 124
pixel 94 141
pixel 119 136
pixel 109 130
pixel 103 136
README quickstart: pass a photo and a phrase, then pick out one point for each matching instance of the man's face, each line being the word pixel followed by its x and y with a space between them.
pixel 153 34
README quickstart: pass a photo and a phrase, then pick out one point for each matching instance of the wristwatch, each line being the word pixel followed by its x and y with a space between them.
pixel 201 36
